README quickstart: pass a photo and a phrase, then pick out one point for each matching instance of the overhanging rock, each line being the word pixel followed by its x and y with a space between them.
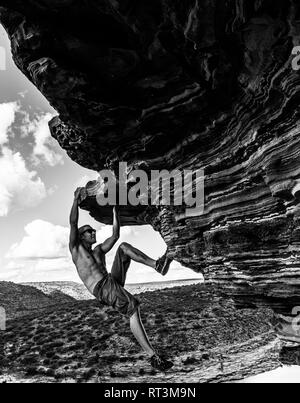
pixel 172 84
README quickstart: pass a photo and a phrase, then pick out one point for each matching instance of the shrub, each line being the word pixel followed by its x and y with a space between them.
pixel 50 372
pixel 88 374
pixel 29 360
pixel 52 355
pixel 32 371
pixel 190 360
pixel 55 344
pixel 93 360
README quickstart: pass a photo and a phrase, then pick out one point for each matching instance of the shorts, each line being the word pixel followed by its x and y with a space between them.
pixel 110 290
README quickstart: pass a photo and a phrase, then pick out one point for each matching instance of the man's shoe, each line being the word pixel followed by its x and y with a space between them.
pixel 163 264
pixel 160 363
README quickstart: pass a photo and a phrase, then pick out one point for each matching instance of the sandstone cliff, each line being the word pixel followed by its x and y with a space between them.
pixel 172 84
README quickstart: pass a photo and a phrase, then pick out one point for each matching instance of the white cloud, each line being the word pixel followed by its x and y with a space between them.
pixel 59 264
pixel 52 190
pixel 125 233
pixel 61 269
pixel 43 240
pixel 11 271
pixel 43 255
pixel 45 147
pixel 15 266
pixel 28 125
pixel 7 118
pixel 19 187
pixel 11 275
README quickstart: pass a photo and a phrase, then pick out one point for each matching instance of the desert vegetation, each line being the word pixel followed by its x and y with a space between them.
pixel 87 342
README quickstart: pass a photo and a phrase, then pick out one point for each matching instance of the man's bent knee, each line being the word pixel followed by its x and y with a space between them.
pixel 124 247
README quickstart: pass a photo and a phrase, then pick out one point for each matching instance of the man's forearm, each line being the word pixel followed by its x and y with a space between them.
pixel 116 224
pixel 74 216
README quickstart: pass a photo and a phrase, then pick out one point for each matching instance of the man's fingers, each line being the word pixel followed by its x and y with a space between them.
pixel 81 193
pixel 77 192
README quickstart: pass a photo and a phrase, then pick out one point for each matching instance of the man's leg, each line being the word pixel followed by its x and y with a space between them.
pixel 137 255
pixel 139 332
pixel 120 266
pixel 137 328
pixel 124 255
pixel 161 265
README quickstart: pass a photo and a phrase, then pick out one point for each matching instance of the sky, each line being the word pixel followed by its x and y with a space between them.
pixel 37 183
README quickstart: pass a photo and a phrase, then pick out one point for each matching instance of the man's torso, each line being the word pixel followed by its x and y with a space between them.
pixel 91 265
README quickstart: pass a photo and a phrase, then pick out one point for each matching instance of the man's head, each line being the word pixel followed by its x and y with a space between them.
pixel 87 234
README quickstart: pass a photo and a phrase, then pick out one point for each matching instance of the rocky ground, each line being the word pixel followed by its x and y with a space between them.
pixel 208 338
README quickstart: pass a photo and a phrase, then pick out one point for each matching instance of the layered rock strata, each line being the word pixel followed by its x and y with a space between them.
pixel 172 84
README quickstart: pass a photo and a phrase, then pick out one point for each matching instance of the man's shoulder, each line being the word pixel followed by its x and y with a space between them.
pixel 98 248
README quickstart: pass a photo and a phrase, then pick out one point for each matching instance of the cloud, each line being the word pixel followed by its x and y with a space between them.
pixel 43 255
pixel 7 117
pixel 27 125
pixel 43 240
pixel 106 232
pixel 61 269
pixel 45 149
pixel 19 187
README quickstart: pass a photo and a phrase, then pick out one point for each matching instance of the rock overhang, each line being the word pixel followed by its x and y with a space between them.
pixel 183 85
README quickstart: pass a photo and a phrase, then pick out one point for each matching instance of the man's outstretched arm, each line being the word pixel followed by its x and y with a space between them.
pixel 110 242
pixel 74 217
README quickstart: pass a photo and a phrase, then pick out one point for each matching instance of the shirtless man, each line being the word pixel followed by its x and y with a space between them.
pixel 109 288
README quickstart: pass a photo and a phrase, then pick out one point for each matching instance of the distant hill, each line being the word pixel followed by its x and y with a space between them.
pixel 18 299
pixel 79 292
pixel 160 285
pixel 72 289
